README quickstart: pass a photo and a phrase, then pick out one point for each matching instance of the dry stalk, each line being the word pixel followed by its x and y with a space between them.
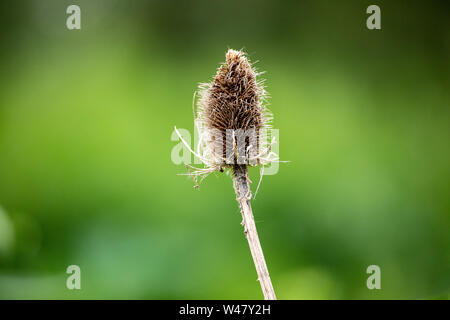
pixel 243 194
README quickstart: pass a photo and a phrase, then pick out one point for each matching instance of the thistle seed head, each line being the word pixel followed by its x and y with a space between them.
pixel 231 113
pixel 233 99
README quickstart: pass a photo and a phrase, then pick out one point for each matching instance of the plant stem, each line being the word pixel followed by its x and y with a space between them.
pixel 243 193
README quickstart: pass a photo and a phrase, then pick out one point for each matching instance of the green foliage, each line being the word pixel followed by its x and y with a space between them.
pixel 86 176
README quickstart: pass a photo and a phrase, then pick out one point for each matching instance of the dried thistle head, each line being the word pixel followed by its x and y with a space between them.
pixel 231 117
pixel 234 98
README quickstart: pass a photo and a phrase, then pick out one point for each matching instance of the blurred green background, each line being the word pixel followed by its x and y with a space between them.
pixel 86 176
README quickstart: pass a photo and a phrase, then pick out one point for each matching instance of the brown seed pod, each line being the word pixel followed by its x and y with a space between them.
pixel 231 112
pixel 232 118
pixel 233 99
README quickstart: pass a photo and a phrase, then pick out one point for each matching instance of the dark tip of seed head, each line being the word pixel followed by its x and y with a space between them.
pixel 233 99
